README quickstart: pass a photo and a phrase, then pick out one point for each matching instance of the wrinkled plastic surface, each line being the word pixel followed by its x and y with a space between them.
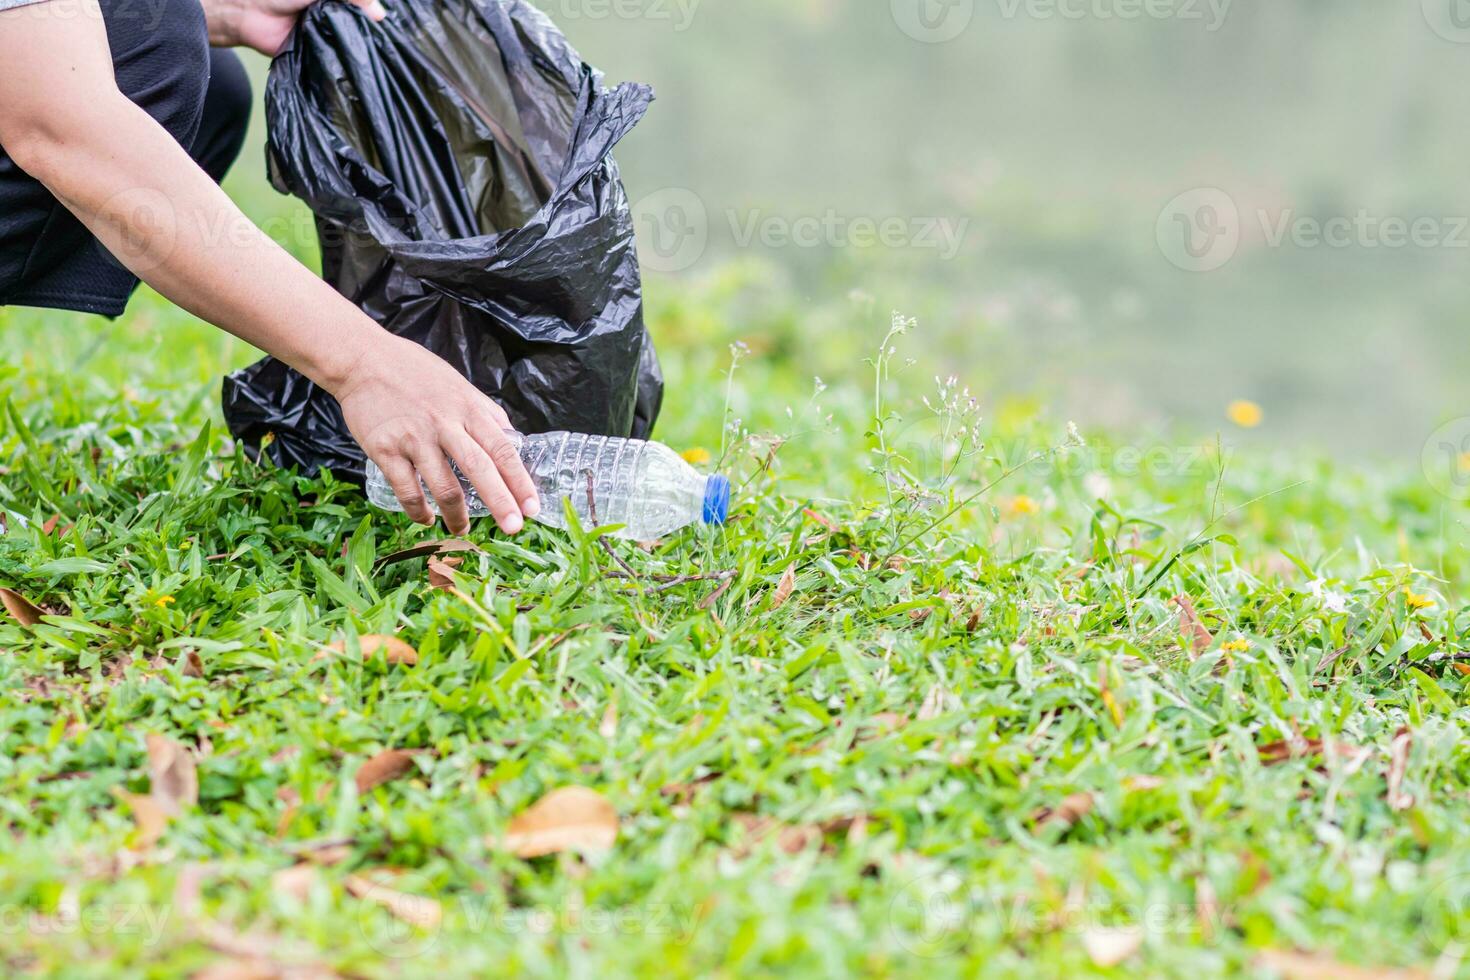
pixel 458 160
pixel 643 486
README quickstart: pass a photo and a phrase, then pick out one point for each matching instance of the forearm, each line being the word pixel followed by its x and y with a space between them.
pixel 143 197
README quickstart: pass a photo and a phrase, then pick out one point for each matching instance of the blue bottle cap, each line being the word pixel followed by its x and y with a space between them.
pixel 716 499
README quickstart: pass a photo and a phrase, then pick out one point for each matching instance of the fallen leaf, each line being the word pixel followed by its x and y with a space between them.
pixel 190 665
pixel 887 721
pixel 295 881
pixel 1275 753
pixel 445 547
pixel 416 910
pixel 822 519
pixel 572 818
pixel 1067 813
pixel 441 572
pixel 1398 764
pixel 175 780
pixel 685 792
pixel 1292 965
pixel 25 612
pixel 784 587
pixel 149 816
pixel 394 650
pixel 245 968
pixel 1109 947
pixel 189 886
pixel 1200 638
pixel 789 838
pixel 50 524
pixel 608 729
pixel 384 767
pixel 934 703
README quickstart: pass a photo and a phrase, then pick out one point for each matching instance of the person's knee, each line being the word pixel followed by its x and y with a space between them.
pixel 161 57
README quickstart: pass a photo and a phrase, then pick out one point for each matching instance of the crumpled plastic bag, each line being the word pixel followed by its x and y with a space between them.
pixel 457 158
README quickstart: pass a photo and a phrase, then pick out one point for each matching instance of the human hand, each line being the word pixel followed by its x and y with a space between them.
pixel 264 24
pixel 409 409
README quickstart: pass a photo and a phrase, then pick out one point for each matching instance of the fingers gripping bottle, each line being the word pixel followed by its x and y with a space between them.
pixel 644 486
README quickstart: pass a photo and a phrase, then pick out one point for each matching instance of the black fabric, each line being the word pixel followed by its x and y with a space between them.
pixel 164 64
pixel 458 158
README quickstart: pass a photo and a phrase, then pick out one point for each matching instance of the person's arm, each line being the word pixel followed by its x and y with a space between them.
pixel 64 121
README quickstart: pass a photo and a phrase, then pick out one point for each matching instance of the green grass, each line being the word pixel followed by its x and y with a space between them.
pixel 911 723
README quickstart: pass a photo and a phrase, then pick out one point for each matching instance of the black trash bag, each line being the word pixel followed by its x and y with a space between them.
pixel 457 157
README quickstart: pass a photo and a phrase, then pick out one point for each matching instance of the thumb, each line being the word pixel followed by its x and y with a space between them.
pixel 373 8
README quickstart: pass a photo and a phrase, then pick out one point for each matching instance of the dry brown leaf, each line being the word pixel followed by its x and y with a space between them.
pixel 384 767
pixel 1067 813
pixel 887 721
pixel 296 881
pixel 1109 947
pixel 246 968
pixel 1140 784
pixel 441 572
pixel 51 523
pixel 416 910
pixel 190 664
pixel 1398 765
pixel 572 818
pixel 685 792
pixel 934 704
pixel 175 780
pixel 1291 965
pixel 394 650
pixel 789 838
pixel 1275 753
pixel 150 817
pixel 784 587
pixel 445 547
pixel 25 612
pixel 1200 638
pixel 821 519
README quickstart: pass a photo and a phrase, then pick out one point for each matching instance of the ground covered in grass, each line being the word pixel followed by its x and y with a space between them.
pixel 1146 704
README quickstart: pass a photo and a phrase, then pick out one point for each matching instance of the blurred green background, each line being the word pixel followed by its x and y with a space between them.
pixel 1049 176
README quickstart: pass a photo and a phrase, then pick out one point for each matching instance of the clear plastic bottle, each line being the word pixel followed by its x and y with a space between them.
pixel 644 486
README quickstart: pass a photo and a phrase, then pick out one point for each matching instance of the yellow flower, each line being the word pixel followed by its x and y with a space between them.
pixel 697 456
pixel 1236 646
pixel 163 601
pixel 1415 601
pixel 1245 414
pixel 1023 505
